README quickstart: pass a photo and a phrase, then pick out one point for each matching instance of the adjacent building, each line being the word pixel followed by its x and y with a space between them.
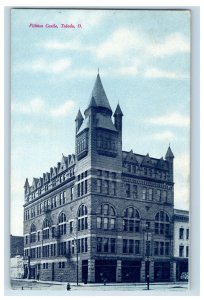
pixel 101 214
pixel 16 256
pixel 181 244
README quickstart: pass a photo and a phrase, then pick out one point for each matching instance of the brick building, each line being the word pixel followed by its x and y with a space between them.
pixel 101 213
pixel 181 244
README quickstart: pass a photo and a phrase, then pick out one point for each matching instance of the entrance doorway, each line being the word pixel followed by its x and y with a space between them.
pixel 162 271
pixel 84 271
pixel 105 270
pixel 131 271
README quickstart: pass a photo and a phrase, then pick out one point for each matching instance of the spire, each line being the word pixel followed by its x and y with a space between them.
pixel 26 183
pixel 169 153
pixel 99 94
pixel 118 111
pixel 79 116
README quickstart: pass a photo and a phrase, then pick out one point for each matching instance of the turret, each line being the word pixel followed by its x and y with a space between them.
pixel 170 158
pixel 118 118
pixel 26 186
pixel 79 120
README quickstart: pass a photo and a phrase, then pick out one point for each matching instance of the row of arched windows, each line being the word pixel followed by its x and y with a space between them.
pixel 106 220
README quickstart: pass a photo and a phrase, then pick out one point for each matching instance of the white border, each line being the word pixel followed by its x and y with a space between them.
pixel 195 135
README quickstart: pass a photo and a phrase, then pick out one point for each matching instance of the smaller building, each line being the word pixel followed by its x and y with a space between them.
pixel 181 244
pixel 16 245
pixel 16 267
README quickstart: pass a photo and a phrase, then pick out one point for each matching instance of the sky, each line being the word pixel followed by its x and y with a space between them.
pixel 143 58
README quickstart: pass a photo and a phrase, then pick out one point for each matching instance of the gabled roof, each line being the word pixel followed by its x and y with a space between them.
pixel 79 116
pixel 131 157
pixel 99 95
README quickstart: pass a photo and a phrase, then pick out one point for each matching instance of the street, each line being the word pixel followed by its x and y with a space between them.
pixel 34 285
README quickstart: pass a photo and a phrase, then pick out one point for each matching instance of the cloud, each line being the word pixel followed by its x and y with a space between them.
pixel 39 106
pixel 167 136
pixel 42 66
pixel 35 106
pixel 172 44
pixel 63 110
pixel 174 119
pixel 156 73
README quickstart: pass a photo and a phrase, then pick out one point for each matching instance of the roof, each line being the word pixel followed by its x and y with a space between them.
pixel 105 122
pixel 99 95
pixel 79 116
pixel 118 111
pixel 169 153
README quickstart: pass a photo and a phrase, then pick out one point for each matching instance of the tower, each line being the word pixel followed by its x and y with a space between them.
pixel 170 158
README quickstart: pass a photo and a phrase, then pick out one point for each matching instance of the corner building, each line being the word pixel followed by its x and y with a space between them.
pixel 101 214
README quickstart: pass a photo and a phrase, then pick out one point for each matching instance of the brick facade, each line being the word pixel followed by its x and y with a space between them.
pixel 107 211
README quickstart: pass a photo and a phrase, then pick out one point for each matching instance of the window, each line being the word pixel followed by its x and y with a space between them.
pixel 137 247
pixel 62 224
pixel 181 233
pixel 134 191
pixel 82 218
pixel 64 197
pixel 187 233
pixel 46 229
pixel 144 193
pixel 167 248
pixel 131 220
pixel 127 188
pixel 113 175
pixel 164 196
pixel 112 250
pixel 32 234
pixel 131 246
pixel 156 248
pixel 99 186
pixel 181 248
pixel 72 193
pixel 99 172
pixel 150 194
pixel 161 248
pixel 125 242
pixel 113 188
pixel 187 251
pixel 99 244
pixel 162 224
pixel 158 195
pixel 106 217
pixel 105 244
pixel 85 187
pixel 38 236
pixel 106 174
pixel 71 226
pixel 53 202
pixel 106 187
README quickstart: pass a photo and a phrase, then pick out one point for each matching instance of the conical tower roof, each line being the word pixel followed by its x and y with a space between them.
pixel 169 153
pixel 118 111
pixel 99 94
pixel 79 116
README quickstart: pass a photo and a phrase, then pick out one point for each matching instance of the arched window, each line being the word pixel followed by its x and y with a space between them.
pixel 46 229
pixel 162 223
pixel 106 217
pixel 62 224
pixel 82 218
pixel 32 233
pixel 131 220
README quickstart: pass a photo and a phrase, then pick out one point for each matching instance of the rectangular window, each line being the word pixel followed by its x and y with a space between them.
pixel 131 246
pixel 129 168
pixel 64 197
pixel 127 188
pixel 125 225
pixel 99 186
pixel 166 248
pixel 113 188
pixel 105 244
pixel 99 244
pixel 71 226
pixel 137 247
pixel 85 174
pixel 85 187
pixel 106 174
pixel 105 209
pixel 131 225
pixel 134 193
pixel 159 195
pixel 181 248
pixel 161 228
pixel 134 168
pixel 144 193
pixel 106 187
pixel 38 236
pixel 98 222
pixel 112 246
pixel 113 175
pixel 72 193
pixel 125 246
pixel 137 226
pixel 105 223
pixel 164 196
pixel 82 188
pixel 78 190
pixel 156 248
pixel 112 224
pixel 85 244
pixel 187 233
pixel 150 195
pixel 181 233
pixel 161 248
pixel 99 172
pixel 187 251
pixel 72 246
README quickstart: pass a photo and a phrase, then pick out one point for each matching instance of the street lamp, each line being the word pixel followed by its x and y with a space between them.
pixel 147 254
